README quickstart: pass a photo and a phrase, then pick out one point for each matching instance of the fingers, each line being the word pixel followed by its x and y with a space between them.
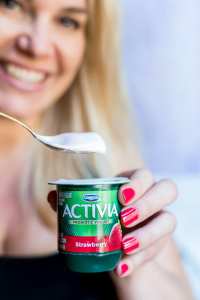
pixel 141 181
pixel 129 264
pixel 52 199
pixel 162 225
pixel 154 200
pixel 145 243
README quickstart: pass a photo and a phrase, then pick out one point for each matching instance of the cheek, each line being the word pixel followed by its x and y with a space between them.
pixel 9 28
pixel 70 58
pixel 72 53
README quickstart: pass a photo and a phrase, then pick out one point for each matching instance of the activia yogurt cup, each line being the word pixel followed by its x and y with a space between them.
pixel 89 230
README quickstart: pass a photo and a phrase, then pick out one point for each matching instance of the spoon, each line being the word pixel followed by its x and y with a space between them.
pixel 83 142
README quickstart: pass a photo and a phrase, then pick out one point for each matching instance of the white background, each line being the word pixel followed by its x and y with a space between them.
pixel 161 49
pixel 161 52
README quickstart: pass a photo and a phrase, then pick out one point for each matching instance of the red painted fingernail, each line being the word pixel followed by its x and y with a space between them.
pixel 130 244
pixel 124 269
pixel 128 194
pixel 129 215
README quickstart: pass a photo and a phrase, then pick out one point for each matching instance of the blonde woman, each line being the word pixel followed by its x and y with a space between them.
pixel 59 71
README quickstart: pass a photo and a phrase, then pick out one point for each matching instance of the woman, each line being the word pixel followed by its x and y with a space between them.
pixel 59 71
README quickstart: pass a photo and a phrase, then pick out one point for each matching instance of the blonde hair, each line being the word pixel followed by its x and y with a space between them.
pixel 94 102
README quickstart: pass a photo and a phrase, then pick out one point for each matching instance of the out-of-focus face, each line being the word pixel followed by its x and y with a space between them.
pixel 42 44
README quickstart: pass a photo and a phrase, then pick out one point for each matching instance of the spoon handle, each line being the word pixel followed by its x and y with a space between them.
pixel 18 122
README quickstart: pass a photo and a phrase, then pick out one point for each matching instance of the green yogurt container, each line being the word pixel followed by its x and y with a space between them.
pixel 89 230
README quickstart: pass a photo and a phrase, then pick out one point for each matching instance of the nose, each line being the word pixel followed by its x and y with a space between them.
pixel 24 42
pixel 36 41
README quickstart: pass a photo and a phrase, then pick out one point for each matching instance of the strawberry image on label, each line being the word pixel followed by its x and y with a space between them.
pixel 115 237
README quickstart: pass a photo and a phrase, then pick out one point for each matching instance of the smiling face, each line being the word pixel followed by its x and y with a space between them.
pixel 42 46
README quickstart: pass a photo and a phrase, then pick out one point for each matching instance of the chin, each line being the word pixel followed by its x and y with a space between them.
pixel 19 108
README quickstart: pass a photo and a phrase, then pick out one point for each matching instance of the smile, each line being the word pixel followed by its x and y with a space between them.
pixel 22 78
pixel 24 74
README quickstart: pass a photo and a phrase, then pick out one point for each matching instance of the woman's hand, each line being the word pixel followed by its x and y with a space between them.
pixel 143 216
pixel 146 223
pixel 150 267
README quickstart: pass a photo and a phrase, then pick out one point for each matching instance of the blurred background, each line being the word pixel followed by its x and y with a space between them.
pixel 161 57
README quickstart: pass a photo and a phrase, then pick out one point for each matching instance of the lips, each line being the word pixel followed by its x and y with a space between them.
pixel 21 77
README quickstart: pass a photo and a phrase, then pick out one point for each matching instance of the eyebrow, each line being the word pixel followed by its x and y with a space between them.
pixel 76 10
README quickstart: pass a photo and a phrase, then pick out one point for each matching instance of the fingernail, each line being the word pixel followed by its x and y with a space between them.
pixel 129 216
pixel 130 244
pixel 124 269
pixel 128 194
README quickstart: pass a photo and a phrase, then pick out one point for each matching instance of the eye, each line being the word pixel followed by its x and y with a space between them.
pixel 11 4
pixel 69 22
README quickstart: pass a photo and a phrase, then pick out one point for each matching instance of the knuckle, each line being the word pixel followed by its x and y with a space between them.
pixel 145 209
pixel 145 256
pixel 170 188
pixel 149 253
pixel 148 175
pixel 143 173
pixel 173 188
pixel 173 223
pixel 170 221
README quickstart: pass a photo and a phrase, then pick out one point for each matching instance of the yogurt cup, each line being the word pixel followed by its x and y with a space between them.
pixel 89 230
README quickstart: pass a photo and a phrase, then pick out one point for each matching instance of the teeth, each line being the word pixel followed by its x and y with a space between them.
pixel 24 74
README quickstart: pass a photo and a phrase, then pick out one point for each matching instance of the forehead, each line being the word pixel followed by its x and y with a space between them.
pixel 58 4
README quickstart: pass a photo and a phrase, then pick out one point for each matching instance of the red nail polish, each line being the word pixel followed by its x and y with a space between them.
pixel 130 244
pixel 124 269
pixel 129 215
pixel 128 194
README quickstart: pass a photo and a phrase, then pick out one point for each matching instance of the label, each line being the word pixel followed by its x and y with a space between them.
pixel 88 220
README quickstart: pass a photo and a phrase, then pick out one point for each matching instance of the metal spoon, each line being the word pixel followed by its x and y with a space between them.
pixel 83 142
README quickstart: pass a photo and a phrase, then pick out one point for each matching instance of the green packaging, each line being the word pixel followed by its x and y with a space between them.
pixel 89 230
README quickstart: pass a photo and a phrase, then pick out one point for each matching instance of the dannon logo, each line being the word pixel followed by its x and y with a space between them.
pixel 90 197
